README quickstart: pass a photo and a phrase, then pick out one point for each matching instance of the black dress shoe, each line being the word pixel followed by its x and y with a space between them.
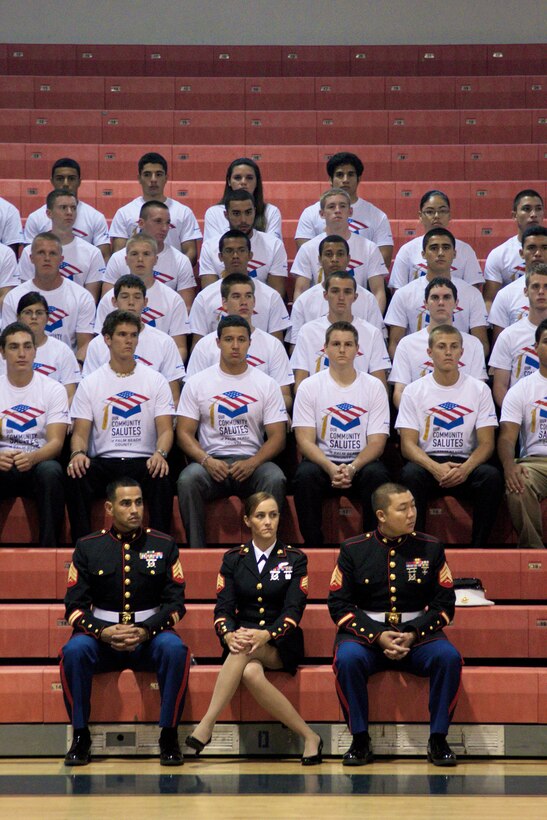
pixel 78 754
pixel 196 744
pixel 170 753
pixel 439 752
pixel 314 760
pixel 359 753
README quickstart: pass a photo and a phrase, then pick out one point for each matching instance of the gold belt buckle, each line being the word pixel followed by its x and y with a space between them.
pixel 393 618
pixel 127 617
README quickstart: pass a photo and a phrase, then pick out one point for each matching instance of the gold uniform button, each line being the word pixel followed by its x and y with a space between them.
pixel 280 552
pixel 354 624
pixel 392 552
pixel 366 581
pixel 370 635
pixel 394 609
pixel 127 556
pixel 392 576
pixel 392 564
pixel 101 572
pixel 393 589
pixel 127 568
pixel 393 599
pixel 261 610
pixel 261 623
pixel 259 600
pixel 361 629
pixel 152 572
pixel 259 586
pixel 127 594
pixel 127 607
pixel 418 580
pixel 127 581
pixel 126 546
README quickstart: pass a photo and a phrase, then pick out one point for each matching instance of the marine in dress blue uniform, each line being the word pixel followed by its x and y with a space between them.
pixel 396 584
pixel 273 599
pixel 128 578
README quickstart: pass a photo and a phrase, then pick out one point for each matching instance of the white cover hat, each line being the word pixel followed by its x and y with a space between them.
pixel 470 592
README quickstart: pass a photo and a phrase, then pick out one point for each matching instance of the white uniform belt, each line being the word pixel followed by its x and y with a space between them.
pixel 124 617
pixel 394 617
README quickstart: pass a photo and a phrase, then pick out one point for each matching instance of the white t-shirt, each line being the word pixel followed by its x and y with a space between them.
pixel 9 273
pixel 269 257
pixel 510 304
pixel 504 264
pixel 525 404
pixel 232 411
pixel 309 351
pixel 447 418
pixel 343 417
pixel 82 263
pixel 270 312
pixel 165 310
pixel 409 264
pixel 90 224
pixel 366 220
pixel 215 223
pixel 311 304
pixel 155 349
pixel 514 350
pixel 407 308
pixel 184 226
pixel 25 412
pixel 56 360
pixel 123 410
pixel 11 228
pixel 173 268
pixel 365 262
pixel 266 353
pixel 411 361
pixel 71 309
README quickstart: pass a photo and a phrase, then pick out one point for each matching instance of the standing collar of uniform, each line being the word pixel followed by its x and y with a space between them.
pixel 384 539
pixel 126 537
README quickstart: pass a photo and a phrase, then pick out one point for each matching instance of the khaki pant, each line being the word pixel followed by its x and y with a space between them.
pixel 525 508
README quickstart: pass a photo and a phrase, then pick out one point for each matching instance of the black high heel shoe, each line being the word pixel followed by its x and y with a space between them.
pixel 196 744
pixel 314 760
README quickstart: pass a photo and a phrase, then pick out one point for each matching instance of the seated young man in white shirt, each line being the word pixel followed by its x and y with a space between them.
pixel 334 255
pixel 504 264
pixel 407 312
pixel 524 418
pixel 155 348
pixel 122 417
pixel 511 303
pixel 265 352
pixel 411 360
pixel 514 355
pixel 173 268
pixel 152 176
pixel 82 262
pixel 90 224
pixel 341 423
pixel 366 261
pixel 232 423
pixel 447 421
pixel 269 259
pixel 309 355
pixel 345 171
pixel 409 263
pixel 270 313
pixel 34 418
pixel 165 309
pixel 71 307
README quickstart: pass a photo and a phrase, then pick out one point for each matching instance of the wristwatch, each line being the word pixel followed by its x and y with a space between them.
pixel 163 453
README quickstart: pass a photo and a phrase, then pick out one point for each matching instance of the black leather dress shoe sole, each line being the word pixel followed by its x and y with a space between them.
pixel 441 755
pixel 358 756
pixel 79 753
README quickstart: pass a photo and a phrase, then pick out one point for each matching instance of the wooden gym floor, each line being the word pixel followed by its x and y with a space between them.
pixel 228 789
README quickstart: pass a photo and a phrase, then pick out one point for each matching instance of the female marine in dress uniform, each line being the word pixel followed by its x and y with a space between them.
pixel 261 595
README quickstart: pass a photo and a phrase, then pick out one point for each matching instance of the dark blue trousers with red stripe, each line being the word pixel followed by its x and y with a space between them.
pixel 84 656
pixel 438 660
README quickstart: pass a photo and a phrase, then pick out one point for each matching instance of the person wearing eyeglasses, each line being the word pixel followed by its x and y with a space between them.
pixel 409 264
